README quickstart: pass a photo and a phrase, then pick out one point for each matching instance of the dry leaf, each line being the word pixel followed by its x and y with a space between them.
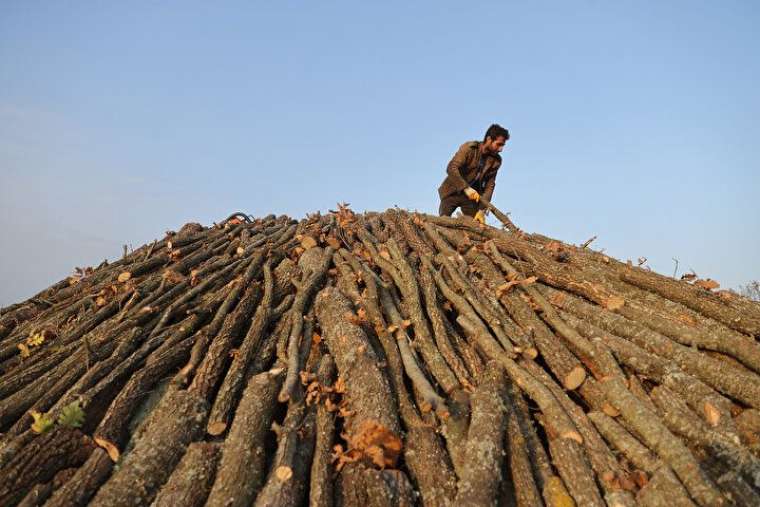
pixel 707 284
pixel 334 243
pixel 712 414
pixel 377 442
pixel 614 303
pixel 308 242
pixel 24 350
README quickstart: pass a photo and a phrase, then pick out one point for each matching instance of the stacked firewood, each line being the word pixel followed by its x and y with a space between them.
pixel 378 359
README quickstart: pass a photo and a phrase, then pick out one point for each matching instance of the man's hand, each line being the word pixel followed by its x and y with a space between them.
pixel 480 217
pixel 472 194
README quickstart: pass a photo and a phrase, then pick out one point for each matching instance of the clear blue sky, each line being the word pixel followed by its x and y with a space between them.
pixel 634 121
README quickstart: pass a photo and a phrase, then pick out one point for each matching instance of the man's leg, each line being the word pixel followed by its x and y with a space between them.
pixel 448 205
pixel 470 208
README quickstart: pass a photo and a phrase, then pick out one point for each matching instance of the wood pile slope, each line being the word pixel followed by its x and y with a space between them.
pixel 377 359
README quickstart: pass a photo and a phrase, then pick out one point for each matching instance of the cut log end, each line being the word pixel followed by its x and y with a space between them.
pixel 575 378
pixel 216 428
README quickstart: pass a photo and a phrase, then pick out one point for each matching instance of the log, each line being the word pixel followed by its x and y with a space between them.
pixel 367 387
pixel 191 481
pixel 365 487
pixel 482 467
pixel 171 426
pixel 82 486
pixel 241 471
pixel 41 459
pixel 321 493
pixel 307 287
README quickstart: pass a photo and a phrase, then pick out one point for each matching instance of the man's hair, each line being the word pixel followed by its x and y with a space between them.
pixel 495 131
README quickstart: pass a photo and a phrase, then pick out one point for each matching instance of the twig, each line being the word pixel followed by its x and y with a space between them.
pixel 588 242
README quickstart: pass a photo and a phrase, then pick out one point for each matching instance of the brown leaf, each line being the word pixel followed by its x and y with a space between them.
pixel 24 350
pixel 308 242
pixel 707 284
pixel 712 414
pixel 614 303
pixel 376 442
pixel 333 242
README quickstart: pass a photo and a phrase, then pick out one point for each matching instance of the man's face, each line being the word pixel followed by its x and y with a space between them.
pixel 495 146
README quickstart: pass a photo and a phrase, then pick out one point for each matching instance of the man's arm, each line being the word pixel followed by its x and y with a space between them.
pixel 491 183
pixel 454 169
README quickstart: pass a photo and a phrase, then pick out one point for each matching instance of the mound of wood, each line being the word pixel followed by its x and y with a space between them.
pixel 377 359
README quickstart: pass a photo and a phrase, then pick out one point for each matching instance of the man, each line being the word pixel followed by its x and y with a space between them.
pixel 472 173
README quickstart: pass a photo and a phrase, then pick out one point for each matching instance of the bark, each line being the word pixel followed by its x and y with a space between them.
pixel 212 367
pixel 314 275
pixel 745 320
pixel 321 492
pixel 242 466
pixel 38 495
pixel 739 384
pixel 664 490
pixel 368 390
pixel 365 487
pixel 41 459
pixel 170 427
pixel 482 467
pixel 665 444
pixel 82 486
pixel 190 483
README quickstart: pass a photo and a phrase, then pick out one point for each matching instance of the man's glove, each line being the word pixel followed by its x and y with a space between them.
pixel 472 194
pixel 480 217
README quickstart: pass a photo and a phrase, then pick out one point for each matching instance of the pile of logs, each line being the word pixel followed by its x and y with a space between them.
pixel 377 359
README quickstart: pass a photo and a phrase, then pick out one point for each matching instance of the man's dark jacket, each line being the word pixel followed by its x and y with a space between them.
pixel 464 168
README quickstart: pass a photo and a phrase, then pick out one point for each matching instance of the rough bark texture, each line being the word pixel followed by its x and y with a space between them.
pixel 190 483
pixel 460 364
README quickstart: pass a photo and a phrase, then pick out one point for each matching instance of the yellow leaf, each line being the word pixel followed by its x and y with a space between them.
pixel 42 422
pixel 35 340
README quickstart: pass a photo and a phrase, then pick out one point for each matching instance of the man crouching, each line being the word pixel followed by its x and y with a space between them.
pixel 472 173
